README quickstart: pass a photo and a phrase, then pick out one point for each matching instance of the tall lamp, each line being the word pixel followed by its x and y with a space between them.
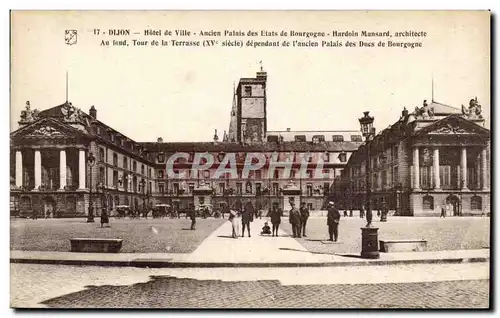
pixel 369 234
pixel 90 163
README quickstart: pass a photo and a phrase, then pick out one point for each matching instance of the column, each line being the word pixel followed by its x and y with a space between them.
pixel 437 179
pixel 38 170
pixel 478 172
pixel 62 169
pixel 19 168
pixel 416 169
pixel 463 165
pixel 484 169
pixel 81 169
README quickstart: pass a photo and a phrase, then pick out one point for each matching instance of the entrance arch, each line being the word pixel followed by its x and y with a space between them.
pixel 453 202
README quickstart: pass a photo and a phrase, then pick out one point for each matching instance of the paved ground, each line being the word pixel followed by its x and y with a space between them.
pixel 139 235
pixel 408 286
pixel 453 233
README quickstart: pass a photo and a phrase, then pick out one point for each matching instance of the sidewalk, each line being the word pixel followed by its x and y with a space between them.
pixel 220 250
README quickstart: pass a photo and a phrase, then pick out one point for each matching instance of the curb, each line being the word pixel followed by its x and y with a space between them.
pixel 165 263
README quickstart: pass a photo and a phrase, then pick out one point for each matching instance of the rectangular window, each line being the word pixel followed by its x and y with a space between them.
pixel 115 160
pixel 275 188
pixel 115 178
pixel 258 174
pixel 276 174
pixel 238 188
pixel 326 157
pixel 206 174
pixel 395 154
pixel 101 178
pixel 176 188
pixel 222 187
pixel 326 187
pixel 248 91
pixel 395 176
pixel 191 188
pixel 101 154
pixel 272 138
pixel 134 166
pixel 161 174
pixel 309 190
pixel 161 188
pixel 258 188
pixel 125 166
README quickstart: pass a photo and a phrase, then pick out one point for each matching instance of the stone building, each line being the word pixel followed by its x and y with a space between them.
pixel 436 156
pixel 50 169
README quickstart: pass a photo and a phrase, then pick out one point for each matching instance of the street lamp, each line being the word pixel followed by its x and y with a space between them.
pixel 143 184
pixel 368 233
pixel 90 163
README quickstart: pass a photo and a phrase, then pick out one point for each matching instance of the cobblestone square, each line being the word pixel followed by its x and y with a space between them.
pixel 459 233
pixel 139 235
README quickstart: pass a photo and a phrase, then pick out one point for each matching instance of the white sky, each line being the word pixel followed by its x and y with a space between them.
pixel 183 94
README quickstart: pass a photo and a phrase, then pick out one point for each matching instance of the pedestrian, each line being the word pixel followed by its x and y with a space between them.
pixel 246 218
pixel 235 225
pixel 345 213
pixel 443 211
pixel 294 219
pixel 385 211
pixel 304 215
pixel 333 219
pixel 362 212
pixel 192 215
pixel 266 229
pixel 350 213
pixel 275 215
pixel 104 217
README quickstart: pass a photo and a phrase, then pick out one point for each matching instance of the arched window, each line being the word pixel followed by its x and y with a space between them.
pixel 428 202
pixel 476 203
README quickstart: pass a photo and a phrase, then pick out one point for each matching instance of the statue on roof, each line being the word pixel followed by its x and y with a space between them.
pixel 71 113
pixel 424 112
pixel 474 111
pixel 28 115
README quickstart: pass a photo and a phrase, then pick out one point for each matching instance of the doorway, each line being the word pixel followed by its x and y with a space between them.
pixel 49 205
pixel 453 203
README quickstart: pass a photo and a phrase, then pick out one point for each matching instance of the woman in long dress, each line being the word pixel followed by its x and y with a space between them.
pixel 235 222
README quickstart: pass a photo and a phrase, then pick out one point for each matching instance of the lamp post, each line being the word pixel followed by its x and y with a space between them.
pixel 143 184
pixel 369 235
pixel 100 188
pixel 90 163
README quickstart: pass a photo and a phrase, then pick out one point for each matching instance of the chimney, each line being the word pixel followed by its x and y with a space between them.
pixel 159 139
pixel 216 138
pixel 288 129
pixel 93 112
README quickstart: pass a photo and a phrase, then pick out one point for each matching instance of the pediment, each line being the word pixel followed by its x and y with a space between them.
pixel 47 128
pixel 453 125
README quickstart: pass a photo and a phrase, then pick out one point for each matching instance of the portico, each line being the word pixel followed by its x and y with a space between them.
pixel 450 168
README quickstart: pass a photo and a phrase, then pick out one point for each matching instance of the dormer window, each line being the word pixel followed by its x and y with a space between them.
pixel 300 137
pixel 112 136
pixel 161 157
pixel 98 130
pixel 318 138
pixel 337 138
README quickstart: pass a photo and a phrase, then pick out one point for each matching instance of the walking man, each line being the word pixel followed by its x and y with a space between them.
pixel 192 212
pixel 304 215
pixel 294 219
pixel 443 211
pixel 246 218
pixel 333 219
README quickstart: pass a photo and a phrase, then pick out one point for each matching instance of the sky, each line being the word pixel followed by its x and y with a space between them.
pixel 183 94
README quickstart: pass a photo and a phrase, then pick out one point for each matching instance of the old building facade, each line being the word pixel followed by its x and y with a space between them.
pixel 438 156
pixel 50 170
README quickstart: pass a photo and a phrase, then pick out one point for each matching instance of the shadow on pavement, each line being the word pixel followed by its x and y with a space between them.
pixel 296 250
pixel 225 236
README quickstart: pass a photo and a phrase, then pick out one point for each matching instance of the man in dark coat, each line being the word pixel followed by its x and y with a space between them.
pixel 275 215
pixel 192 215
pixel 294 219
pixel 333 219
pixel 304 215
pixel 247 217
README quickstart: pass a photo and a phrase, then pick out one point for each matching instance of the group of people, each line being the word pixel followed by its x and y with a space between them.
pixel 297 218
